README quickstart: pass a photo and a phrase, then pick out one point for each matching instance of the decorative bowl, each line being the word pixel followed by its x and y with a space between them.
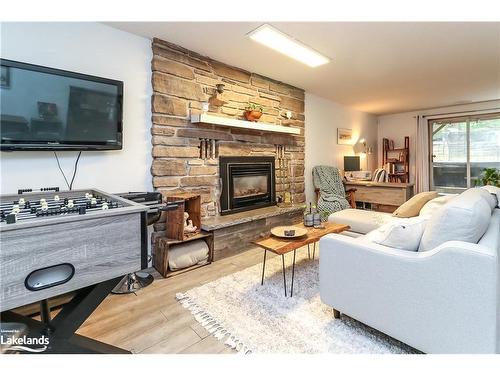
pixel 288 232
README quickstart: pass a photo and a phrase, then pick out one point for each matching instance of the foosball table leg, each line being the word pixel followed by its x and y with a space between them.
pixel 45 315
pixel 62 336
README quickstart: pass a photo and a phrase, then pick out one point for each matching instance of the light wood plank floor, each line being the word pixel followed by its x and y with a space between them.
pixel 154 322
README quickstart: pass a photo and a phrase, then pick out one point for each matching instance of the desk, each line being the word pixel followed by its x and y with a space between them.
pixel 383 196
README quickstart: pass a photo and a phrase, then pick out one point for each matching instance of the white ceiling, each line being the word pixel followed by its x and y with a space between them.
pixel 376 67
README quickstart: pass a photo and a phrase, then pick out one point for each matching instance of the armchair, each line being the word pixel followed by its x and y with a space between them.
pixel 331 195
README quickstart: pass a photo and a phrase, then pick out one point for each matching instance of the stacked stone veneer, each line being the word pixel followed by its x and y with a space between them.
pixel 182 81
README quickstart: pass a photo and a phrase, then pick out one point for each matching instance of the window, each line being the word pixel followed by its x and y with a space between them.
pixel 461 148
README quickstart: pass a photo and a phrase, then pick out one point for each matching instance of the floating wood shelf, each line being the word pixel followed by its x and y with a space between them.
pixel 232 123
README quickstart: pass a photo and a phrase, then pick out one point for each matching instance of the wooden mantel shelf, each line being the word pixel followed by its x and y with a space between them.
pixel 232 123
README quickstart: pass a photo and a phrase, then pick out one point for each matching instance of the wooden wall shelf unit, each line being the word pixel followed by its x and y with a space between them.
pixel 397 159
pixel 232 123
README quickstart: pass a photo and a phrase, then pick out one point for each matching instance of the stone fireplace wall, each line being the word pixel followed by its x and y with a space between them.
pixel 182 81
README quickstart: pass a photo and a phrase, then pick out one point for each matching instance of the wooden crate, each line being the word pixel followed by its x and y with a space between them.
pixel 160 256
pixel 175 218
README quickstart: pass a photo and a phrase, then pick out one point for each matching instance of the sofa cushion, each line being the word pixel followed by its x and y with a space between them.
pixel 488 197
pixel 361 221
pixel 430 207
pixel 413 205
pixel 491 238
pixel 495 193
pixel 464 218
pixel 404 234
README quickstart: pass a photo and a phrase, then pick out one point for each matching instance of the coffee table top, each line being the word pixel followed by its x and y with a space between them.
pixel 284 245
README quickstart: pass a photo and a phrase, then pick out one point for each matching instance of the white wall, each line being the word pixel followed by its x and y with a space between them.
pixel 399 125
pixel 323 117
pixel 96 49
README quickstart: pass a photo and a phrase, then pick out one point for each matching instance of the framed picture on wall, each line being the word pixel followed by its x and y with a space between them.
pixel 5 77
pixel 344 136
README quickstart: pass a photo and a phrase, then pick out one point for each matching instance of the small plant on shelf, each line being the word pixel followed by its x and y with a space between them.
pixel 489 176
pixel 253 112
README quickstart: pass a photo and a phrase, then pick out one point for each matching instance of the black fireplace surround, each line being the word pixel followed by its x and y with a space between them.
pixel 248 182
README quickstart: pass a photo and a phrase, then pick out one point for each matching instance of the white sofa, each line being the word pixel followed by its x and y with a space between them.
pixel 444 300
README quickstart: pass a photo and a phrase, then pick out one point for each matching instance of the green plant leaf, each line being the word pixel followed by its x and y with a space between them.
pixel 489 176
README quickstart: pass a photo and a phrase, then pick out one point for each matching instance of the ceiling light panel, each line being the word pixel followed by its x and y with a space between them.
pixel 275 39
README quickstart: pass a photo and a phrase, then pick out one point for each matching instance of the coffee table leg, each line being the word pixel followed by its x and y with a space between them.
pixel 314 250
pixel 293 273
pixel 308 251
pixel 284 277
pixel 263 267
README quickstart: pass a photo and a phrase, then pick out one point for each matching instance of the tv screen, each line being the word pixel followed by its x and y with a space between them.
pixel 50 109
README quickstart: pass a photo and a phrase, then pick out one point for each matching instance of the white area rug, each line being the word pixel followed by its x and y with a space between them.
pixel 252 318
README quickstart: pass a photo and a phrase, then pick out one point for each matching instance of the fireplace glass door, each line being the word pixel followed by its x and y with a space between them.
pixel 247 183
pixel 246 187
pixel 249 187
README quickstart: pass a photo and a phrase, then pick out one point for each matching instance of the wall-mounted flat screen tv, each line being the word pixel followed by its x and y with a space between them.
pixel 50 109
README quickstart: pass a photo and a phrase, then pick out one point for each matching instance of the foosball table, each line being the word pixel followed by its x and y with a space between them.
pixel 54 242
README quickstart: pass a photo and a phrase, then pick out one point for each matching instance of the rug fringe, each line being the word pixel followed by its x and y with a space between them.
pixel 213 327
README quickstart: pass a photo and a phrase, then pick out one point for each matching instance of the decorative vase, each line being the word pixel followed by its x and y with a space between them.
pixel 253 115
pixel 309 217
pixel 316 219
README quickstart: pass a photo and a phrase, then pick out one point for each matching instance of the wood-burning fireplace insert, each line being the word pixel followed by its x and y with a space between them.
pixel 248 182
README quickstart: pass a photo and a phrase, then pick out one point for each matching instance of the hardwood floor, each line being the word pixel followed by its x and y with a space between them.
pixel 154 322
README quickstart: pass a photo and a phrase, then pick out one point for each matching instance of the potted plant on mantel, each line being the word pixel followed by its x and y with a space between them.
pixel 253 112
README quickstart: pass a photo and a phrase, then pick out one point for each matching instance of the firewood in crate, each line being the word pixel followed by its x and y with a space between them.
pixel 176 222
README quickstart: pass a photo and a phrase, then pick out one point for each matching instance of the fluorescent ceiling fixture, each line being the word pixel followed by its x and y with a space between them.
pixel 275 39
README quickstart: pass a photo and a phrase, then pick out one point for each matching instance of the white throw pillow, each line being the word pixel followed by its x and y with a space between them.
pixel 434 204
pixel 404 234
pixel 464 218
pixel 493 190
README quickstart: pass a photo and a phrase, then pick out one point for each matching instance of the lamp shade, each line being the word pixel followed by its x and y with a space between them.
pixel 359 147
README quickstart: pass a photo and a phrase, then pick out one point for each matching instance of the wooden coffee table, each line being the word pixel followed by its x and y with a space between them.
pixel 281 246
